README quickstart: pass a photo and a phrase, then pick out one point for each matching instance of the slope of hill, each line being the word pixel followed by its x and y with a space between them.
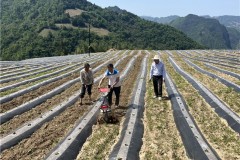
pixel 234 36
pixel 206 31
pixel 229 21
pixel 33 28
pixel 232 24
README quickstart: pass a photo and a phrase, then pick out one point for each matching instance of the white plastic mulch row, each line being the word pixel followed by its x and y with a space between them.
pixel 47 65
pixel 69 147
pixel 26 90
pixel 188 130
pixel 234 59
pixel 223 59
pixel 203 59
pixel 199 53
pixel 33 125
pixel 182 54
pixel 193 140
pixel 5 68
pixel 15 70
pixel 35 62
pixel 223 71
pixel 130 140
pixel 216 68
pixel 216 59
pixel 15 76
pixel 220 108
pixel 57 59
pixel 222 80
pixel 47 75
pixel 169 53
pixel 30 104
pixel 30 127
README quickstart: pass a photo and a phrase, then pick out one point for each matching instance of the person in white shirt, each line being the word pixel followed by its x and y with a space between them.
pixel 86 78
pixel 157 75
pixel 114 84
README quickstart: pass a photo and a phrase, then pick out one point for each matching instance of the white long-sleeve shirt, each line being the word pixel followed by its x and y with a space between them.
pixel 157 70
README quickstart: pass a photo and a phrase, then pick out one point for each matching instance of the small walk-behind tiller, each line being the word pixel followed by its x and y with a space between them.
pixel 106 114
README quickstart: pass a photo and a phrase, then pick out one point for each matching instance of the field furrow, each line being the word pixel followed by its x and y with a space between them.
pixel 104 140
pixel 197 118
pixel 220 90
pixel 38 92
pixel 31 114
pixel 221 79
pixel 215 129
pixel 52 130
pixel 158 121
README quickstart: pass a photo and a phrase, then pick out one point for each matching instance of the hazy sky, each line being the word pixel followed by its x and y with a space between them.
pixel 163 8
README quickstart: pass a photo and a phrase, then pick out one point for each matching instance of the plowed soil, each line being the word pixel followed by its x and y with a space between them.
pixel 45 138
pixel 38 92
pixel 99 144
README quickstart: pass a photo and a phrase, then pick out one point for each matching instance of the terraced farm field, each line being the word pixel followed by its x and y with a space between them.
pixel 198 117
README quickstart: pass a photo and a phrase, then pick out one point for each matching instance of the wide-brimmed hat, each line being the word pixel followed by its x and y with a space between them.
pixel 156 57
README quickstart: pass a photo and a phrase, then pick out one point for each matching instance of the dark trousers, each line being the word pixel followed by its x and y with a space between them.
pixel 157 85
pixel 117 91
pixel 83 90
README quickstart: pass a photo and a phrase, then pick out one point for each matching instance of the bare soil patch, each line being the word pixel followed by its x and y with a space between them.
pixel 74 12
pixel 99 144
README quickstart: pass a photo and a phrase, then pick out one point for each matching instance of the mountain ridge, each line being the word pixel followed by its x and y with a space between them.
pixel 206 31
pixel 231 23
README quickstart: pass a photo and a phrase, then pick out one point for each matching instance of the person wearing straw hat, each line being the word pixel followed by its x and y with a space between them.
pixel 157 75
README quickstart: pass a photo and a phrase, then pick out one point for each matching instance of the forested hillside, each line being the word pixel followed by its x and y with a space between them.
pixel 234 36
pixel 37 28
pixel 206 31
pixel 230 21
pixel 232 24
